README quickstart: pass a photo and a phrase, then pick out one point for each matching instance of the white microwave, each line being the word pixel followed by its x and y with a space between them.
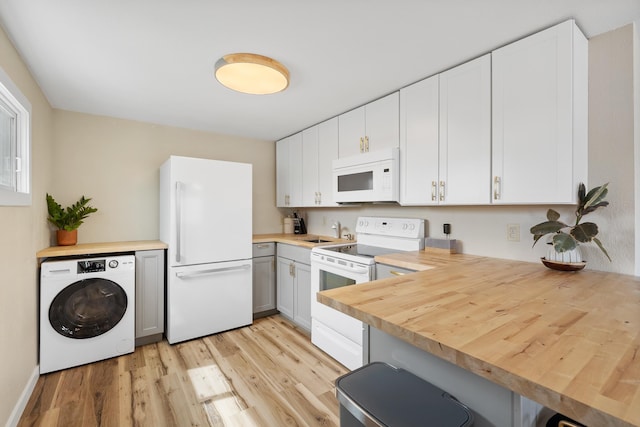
pixel 368 177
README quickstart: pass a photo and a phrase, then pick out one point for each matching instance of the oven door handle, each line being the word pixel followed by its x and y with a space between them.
pixel 340 267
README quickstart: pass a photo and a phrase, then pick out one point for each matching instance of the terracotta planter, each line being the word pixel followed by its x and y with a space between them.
pixel 67 238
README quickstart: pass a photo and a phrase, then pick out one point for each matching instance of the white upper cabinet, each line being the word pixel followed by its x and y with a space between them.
pixel 327 153
pixel 465 133
pixel 372 127
pixel 319 150
pixel 289 171
pixel 445 143
pixel 419 139
pixel 310 166
pixel 540 117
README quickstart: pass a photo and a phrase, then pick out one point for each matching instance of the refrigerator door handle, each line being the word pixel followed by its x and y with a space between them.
pixel 212 271
pixel 178 218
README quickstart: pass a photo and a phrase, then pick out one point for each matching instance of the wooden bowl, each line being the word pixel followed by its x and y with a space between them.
pixel 563 266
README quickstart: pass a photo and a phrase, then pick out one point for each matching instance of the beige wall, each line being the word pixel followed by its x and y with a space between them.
pixel 116 163
pixel 611 142
pixel 24 233
pixel 483 230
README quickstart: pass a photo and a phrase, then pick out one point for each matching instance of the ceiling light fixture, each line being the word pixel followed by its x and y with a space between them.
pixel 251 73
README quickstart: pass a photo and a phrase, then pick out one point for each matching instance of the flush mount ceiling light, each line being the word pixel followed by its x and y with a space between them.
pixel 251 73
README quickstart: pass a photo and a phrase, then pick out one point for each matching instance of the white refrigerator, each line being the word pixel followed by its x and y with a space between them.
pixel 206 220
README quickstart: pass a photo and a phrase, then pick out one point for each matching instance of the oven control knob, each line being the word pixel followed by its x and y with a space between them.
pixel 404 226
pixel 411 227
pixel 113 263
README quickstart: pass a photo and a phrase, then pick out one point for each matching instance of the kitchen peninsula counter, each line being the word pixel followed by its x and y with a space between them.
pixel 569 341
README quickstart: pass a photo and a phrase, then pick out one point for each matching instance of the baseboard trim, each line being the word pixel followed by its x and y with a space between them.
pixel 18 409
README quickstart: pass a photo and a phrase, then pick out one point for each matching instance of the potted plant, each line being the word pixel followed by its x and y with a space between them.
pixel 68 219
pixel 566 238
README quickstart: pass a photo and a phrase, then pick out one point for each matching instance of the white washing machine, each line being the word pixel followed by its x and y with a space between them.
pixel 87 310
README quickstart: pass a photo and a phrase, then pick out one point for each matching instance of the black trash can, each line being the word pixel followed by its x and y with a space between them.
pixel 379 394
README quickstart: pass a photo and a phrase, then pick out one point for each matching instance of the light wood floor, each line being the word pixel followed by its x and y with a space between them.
pixel 268 374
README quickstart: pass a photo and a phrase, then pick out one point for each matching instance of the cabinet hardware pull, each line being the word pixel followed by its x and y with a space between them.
pixel 397 273
pixel 361 144
pixel 292 270
pixel 442 191
pixel 319 197
pixel 434 190
pixel 496 188
pixel 366 144
pixel 262 245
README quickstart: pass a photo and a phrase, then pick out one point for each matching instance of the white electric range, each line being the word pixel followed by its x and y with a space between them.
pixel 339 335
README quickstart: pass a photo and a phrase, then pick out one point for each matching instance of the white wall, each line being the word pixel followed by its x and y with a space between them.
pixel 483 230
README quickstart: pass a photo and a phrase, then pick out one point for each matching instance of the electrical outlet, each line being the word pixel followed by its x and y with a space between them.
pixel 513 232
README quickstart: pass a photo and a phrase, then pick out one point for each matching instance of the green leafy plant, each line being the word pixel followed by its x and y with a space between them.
pixel 71 217
pixel 566 237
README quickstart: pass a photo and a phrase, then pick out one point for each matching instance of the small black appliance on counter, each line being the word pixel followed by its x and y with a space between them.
pixel 298 225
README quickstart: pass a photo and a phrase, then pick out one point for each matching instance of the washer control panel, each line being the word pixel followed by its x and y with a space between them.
pixel 91 266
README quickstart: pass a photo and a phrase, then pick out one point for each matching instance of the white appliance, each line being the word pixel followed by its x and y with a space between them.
pixel 368 177
pixel 206 221
pixel 86 310
pixel 339 335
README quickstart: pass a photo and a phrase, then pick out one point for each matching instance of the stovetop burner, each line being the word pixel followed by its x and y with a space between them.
pixel 361 250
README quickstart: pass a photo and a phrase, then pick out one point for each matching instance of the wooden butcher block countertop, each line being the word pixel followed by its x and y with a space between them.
pixel 570 341
pixel 298 239
pixel 101 248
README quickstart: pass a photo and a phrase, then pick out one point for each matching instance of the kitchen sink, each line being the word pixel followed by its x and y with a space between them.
pixel 316 241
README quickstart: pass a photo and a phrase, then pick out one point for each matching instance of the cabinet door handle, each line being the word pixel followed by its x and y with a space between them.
pixel 434 191
pixel 442 191
pixel 292 270
pixel 366 144
pixel 496 188
pixel 396 273
pixel 262 245
pixel 319 197
pixel 361 144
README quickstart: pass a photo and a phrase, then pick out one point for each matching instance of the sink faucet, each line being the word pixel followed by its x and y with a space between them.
pixel 336 227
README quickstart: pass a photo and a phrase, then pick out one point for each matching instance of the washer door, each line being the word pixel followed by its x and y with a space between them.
pixel 87 308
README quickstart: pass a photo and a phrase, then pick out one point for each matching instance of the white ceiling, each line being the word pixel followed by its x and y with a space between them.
pixel 152 60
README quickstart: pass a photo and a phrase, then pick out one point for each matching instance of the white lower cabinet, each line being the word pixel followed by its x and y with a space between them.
pixel 294 284
pixel 150 286
pixel 264 277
